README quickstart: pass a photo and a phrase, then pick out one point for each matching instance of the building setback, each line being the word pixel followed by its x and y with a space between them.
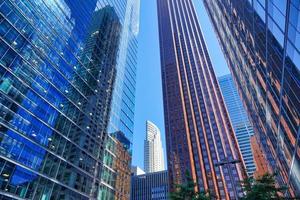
pixel 150 186
pixel 60 65
pixel 239 120
pixel 199 135
pixel 261 42
pixel 153 150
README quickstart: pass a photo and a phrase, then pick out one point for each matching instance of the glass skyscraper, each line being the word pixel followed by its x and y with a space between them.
pixel 239 120
pixel 199 135
pixel 261 42
pixel 65 67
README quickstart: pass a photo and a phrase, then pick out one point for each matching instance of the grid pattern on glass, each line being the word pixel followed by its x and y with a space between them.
pixel 239 119
pixel 262 50
pixel 59 64
pixel 150 186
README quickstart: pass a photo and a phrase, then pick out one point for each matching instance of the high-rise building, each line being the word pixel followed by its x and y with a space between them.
pixel 239 120
pixel 121 115
pixel 150 186
pixel 61 63
pixel 261 42
pixel 153 150
pixel 199 135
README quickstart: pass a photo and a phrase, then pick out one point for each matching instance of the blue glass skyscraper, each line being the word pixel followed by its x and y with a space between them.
pixel 239 120
pixel 63 64
pixel 121 117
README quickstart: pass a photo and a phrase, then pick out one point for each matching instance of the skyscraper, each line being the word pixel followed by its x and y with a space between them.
pixel 239 120
pixel 261 42
pixel 60 64
pixel 121 116
pixel 153 150
pixel 199 135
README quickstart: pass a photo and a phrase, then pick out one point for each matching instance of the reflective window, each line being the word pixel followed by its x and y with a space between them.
pixel 278 34
pixel 260 10
pixel 280 5
pixel 293 54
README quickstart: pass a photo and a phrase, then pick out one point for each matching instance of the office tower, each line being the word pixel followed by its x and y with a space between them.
pixel 260 40
pixel 121 115
pixel 59 67
pixel 150 186
pixel 153 150
pixel 259 158
pixel 199 135
pixel 242 128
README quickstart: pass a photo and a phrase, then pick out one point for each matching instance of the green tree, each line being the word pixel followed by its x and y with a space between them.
pixel 263 188
pixel 186 191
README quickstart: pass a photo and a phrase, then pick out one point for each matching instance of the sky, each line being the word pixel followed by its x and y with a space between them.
pixel 149 100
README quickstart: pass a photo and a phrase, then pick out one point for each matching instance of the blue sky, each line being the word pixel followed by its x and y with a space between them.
pixel 149 103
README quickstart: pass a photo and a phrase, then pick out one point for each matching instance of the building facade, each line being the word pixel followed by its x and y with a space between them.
pixel 60 65
pixel 260 40
pixel 199 135
pixel 153 150
pixel 122 168
pixel 259 158
pixel 239 120
pixel 150 186
pixel 121 116
pixel 116 171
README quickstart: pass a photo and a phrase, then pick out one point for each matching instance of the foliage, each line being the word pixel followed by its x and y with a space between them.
pixel 186 191
pixel 263 188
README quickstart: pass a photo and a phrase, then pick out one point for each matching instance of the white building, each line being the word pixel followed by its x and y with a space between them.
pixel 153 150
pixel 135 171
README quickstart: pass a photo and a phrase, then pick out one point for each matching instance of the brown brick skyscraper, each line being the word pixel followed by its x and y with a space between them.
pixel 199 135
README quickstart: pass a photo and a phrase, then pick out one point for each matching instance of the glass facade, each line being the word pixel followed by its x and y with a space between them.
pixel 260 40
pixel 63 64
pixel 123 102
pixel 199 135
pixel 150 186
pixel 239 120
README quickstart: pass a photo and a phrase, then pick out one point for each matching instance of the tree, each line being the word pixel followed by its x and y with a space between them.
pixel 263 188
pixel 186 191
